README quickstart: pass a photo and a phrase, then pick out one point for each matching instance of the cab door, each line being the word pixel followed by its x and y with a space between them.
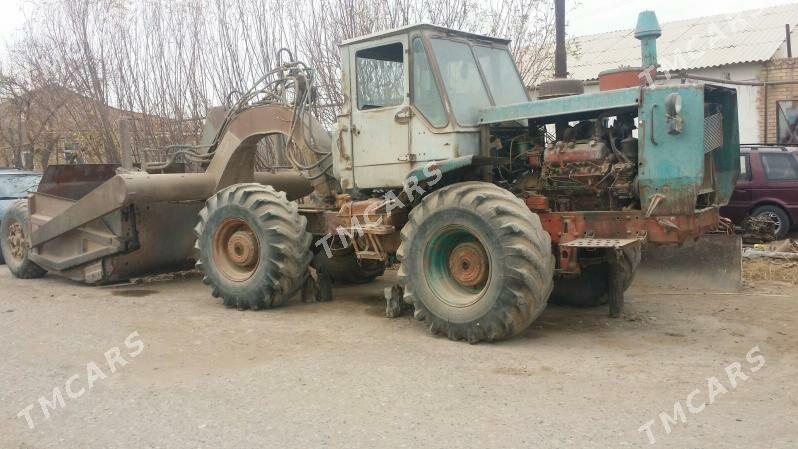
pixel 380 112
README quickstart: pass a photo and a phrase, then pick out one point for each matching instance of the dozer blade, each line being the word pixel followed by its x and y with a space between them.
pixel 711 263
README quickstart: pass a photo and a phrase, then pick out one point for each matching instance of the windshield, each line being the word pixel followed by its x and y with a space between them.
pixel 501 75
pixel 464 86
pixel 17 186
pixel 461 80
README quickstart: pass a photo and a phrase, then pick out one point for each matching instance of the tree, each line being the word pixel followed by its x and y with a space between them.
pixel 163 63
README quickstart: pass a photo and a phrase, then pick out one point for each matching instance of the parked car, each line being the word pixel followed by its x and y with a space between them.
pixel 14 184
pixel 767 187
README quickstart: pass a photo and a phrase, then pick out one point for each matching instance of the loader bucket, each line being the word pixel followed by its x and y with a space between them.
pixel 711 263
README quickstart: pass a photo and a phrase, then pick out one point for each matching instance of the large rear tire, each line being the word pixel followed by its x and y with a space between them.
pixel 592 286
pixel 476 262
pixel 254 250
pixel 14 242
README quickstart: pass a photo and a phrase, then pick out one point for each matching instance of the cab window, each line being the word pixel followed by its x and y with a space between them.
pixel 501 75
pixel 426 96
pixel 380 76
pixel 461 79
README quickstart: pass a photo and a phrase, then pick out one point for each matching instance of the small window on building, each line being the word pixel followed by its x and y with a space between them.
pixel 745 171
pixel 780 167
pixel 426 96
pixel 380 76
pixel 787 122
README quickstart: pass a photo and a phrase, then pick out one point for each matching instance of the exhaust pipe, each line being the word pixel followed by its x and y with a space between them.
pixel 560 57
pixel 561 85
pixel 647 31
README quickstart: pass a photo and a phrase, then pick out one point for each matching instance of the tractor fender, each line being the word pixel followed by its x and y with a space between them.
pixel 435 169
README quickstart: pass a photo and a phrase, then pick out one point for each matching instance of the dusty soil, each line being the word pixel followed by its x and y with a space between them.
pixel 340 375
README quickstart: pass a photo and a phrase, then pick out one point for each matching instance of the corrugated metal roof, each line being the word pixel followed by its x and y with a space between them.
pixel 711 41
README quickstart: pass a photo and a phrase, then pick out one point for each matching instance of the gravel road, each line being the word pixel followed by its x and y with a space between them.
pixel 339 374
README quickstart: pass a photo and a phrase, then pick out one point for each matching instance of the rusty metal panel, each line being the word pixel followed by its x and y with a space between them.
pixel 567 226
pixel 75 181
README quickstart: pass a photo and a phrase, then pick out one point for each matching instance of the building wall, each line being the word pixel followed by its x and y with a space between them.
pixel 747 96
pixel 776 70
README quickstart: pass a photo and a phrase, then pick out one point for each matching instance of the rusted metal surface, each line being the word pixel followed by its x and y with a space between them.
pixel 293 184
pixel 564 152
pixel 140 188
pixel 537 202
pixel 376 222
pixel 235 250
pixel 624 78
pixel 128 242
pixel 566 226
pixel 234 158
pixel 711 263
pixel 74 181
pixel 469 265
pixel 120 191
pixel 90 224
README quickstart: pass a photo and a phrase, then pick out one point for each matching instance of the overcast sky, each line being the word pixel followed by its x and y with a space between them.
pixel 584 17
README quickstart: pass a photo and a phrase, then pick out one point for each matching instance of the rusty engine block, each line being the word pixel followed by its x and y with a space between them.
pixel 593 167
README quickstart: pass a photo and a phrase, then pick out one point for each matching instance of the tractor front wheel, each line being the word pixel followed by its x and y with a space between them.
pixel 253 248
pixel 476 262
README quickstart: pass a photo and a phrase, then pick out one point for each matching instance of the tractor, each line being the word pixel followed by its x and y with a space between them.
pixel 492 203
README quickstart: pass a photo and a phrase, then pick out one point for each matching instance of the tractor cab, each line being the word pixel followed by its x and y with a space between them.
pixel 414 95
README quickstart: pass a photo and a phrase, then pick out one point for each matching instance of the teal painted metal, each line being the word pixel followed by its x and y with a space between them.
pixel 430 171
pixel 727 158
pixel 670 165
pixel 648 31
pixel 673 169
pixel 563 106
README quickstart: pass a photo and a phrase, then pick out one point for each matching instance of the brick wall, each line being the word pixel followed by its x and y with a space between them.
pixel 776 70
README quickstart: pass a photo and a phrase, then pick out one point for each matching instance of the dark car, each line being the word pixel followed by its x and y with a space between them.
pixel 14 184
pixel 767 187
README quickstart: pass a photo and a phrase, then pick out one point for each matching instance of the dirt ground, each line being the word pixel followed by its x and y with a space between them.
pixel 340 375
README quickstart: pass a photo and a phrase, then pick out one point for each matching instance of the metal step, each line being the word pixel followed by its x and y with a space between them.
pixel 589 242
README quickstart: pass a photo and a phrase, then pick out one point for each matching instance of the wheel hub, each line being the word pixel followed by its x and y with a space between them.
pixel 468 264
pixel 772 217
pixel 236 250
pixel 242 248
pixel 16 241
